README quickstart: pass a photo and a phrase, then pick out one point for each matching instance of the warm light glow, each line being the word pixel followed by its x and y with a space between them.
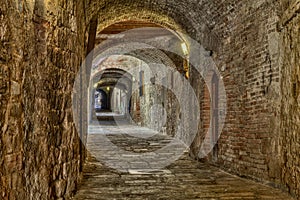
pixel 107 88
pixel 184 48
pixel 186 68
pixel 95 85
pixel 187 75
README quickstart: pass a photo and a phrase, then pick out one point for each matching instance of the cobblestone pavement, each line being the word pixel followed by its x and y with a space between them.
pixel 183 179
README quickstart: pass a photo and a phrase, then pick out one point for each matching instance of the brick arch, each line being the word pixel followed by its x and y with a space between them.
pixel 176 19
pixel 105 64
pixel 149 56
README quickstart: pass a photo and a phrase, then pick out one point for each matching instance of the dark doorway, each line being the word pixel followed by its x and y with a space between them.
pixel 101 100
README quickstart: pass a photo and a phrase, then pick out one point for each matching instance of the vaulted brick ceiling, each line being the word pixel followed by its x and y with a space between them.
pixel 131 28
pixel 127 25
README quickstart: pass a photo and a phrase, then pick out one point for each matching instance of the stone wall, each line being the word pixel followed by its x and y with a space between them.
pixel 42 46
pixel 158 108
pixel 11 117
pixel 289 139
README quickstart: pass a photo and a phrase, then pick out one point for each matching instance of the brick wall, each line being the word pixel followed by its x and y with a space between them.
pixel 250 54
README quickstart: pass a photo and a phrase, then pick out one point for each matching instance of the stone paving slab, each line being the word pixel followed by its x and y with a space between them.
pixel 183 179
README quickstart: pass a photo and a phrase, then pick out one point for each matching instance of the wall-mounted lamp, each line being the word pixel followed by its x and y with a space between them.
pixel 185 61
pixel 184 48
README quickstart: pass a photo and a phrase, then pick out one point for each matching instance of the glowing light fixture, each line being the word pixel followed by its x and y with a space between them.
pixel 185 61
pixel 184 48
pixel 107 88
pixel 95 85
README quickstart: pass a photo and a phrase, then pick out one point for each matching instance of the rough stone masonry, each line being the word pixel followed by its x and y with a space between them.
pixel 43 44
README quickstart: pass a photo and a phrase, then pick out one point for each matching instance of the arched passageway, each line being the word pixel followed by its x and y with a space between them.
pixel 145 94
pixel 115 84
pixel 48 86
pixel 101 100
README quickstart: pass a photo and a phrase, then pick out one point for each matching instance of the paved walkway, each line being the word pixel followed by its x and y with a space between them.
pixel 130 177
